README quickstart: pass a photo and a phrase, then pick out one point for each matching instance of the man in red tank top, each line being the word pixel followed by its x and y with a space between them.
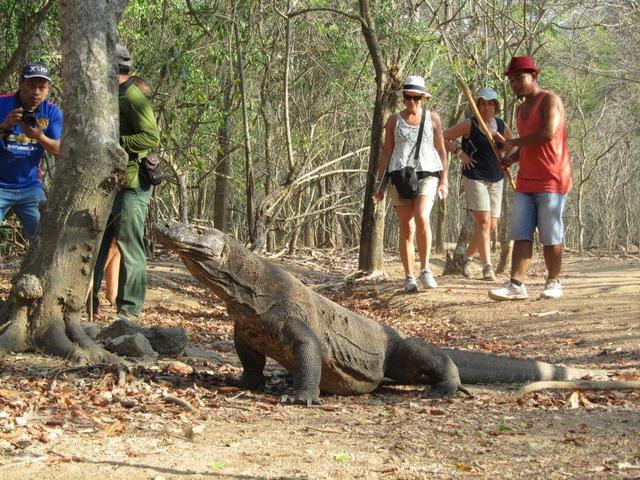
pixel 544 180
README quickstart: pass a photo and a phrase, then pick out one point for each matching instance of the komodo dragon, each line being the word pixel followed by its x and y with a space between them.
pixel 326 347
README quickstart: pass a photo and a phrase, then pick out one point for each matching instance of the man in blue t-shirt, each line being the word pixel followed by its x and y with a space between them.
pixel 30 125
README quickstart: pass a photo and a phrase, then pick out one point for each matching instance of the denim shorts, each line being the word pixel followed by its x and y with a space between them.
pixel 542 210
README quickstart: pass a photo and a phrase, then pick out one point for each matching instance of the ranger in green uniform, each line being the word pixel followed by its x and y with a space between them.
pixel 138 134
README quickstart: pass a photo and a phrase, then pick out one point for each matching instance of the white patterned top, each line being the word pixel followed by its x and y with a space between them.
pixel 405 137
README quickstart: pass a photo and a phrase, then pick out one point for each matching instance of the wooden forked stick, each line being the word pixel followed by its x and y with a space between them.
pixel 484 128
pixel 577 385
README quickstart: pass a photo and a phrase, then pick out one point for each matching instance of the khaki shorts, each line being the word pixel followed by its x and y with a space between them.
pixel 483 196
pixel 426 186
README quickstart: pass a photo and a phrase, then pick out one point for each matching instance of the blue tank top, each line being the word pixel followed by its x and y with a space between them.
pixel 478 147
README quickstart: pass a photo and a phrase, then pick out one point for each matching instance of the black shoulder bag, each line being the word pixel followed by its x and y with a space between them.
pixel 406 179
pixel 149 165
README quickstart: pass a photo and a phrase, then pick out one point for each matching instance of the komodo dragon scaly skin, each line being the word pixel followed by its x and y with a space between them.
pixel 325 347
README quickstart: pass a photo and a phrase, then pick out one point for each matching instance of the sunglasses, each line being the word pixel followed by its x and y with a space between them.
pixel 415 98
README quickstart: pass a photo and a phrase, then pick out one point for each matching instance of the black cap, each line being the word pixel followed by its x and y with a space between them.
pixel 36 70
pixel 123 57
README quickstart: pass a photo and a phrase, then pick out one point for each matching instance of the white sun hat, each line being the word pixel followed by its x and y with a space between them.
pixel 488 94
pixel 414 84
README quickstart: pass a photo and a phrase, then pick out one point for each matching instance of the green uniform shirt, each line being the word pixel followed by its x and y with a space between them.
pixel 138 130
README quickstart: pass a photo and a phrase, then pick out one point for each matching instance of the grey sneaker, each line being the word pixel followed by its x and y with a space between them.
pixel 410 285
pixel 552 289
pixel 488 274
pixel 510 291
pixel 426 277
pixel 466 268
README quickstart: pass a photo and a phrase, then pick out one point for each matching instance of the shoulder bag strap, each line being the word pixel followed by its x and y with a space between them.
pixel 124 86
pixel 419 141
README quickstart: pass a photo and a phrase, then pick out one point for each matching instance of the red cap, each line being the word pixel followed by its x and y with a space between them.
pixel 521 64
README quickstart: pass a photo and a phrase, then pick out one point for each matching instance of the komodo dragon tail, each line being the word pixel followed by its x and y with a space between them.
pixel 477 367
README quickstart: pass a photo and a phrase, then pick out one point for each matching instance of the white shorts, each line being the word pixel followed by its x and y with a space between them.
pixel 483 196
pixel 426 186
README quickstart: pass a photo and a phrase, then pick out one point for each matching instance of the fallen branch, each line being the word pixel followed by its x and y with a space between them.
pixel 180 402
pixel 577 385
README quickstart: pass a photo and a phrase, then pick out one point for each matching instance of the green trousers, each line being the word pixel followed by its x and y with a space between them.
pixel 126 225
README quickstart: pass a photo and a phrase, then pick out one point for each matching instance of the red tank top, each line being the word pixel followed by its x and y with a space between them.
pixel 545 167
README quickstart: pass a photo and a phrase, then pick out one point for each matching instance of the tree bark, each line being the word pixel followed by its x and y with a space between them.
pixel 250 187
pixel 223 168
pixel 47 300
pixel 504 234
pixel 370 257
pixel 453 263
pixel 441 220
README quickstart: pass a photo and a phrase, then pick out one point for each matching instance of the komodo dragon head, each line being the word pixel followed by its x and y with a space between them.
pixel 212 258
pixel 192 241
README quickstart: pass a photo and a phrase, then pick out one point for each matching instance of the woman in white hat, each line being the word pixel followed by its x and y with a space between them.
pixel 482 177
pixel 401 135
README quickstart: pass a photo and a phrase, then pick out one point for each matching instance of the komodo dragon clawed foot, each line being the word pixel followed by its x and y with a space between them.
pixel 299 400
pixel 251 382
pixel 446 389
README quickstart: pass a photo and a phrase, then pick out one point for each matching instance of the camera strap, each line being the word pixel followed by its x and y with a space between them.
pixel 19 103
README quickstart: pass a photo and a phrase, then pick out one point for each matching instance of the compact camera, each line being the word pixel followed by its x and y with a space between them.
pixel 30 119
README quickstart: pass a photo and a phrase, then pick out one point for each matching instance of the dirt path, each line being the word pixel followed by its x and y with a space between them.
pixel 68 424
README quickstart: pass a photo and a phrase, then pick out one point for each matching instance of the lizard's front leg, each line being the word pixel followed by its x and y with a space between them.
pixel 252 366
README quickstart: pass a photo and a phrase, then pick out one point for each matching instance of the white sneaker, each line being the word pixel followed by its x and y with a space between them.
pixel 426 277
pixel 510 291
pixel 552 289
pixel 410 285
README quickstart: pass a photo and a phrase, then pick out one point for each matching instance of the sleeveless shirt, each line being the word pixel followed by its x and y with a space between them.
pixel 545 167
pixel 478 147
pixel 405 137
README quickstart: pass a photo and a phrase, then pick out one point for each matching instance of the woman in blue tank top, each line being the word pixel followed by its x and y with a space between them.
pixel 482 177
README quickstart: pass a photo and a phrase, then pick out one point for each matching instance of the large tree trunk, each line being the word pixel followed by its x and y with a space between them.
pixel 370 257
pixel 48 297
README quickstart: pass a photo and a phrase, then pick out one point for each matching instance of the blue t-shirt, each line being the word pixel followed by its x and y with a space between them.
pixel 20 155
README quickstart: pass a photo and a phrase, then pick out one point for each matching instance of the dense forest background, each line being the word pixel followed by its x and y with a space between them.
pixel 267 108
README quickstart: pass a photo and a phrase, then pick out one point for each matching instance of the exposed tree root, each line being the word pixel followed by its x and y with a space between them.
pixel 94 351
pixel 13 334
pixel 453 263
pixel 362 276
pixel 86 351
pixel 577 385
pixel 61 336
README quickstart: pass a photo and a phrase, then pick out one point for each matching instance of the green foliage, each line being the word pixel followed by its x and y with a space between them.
pixel 190 58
